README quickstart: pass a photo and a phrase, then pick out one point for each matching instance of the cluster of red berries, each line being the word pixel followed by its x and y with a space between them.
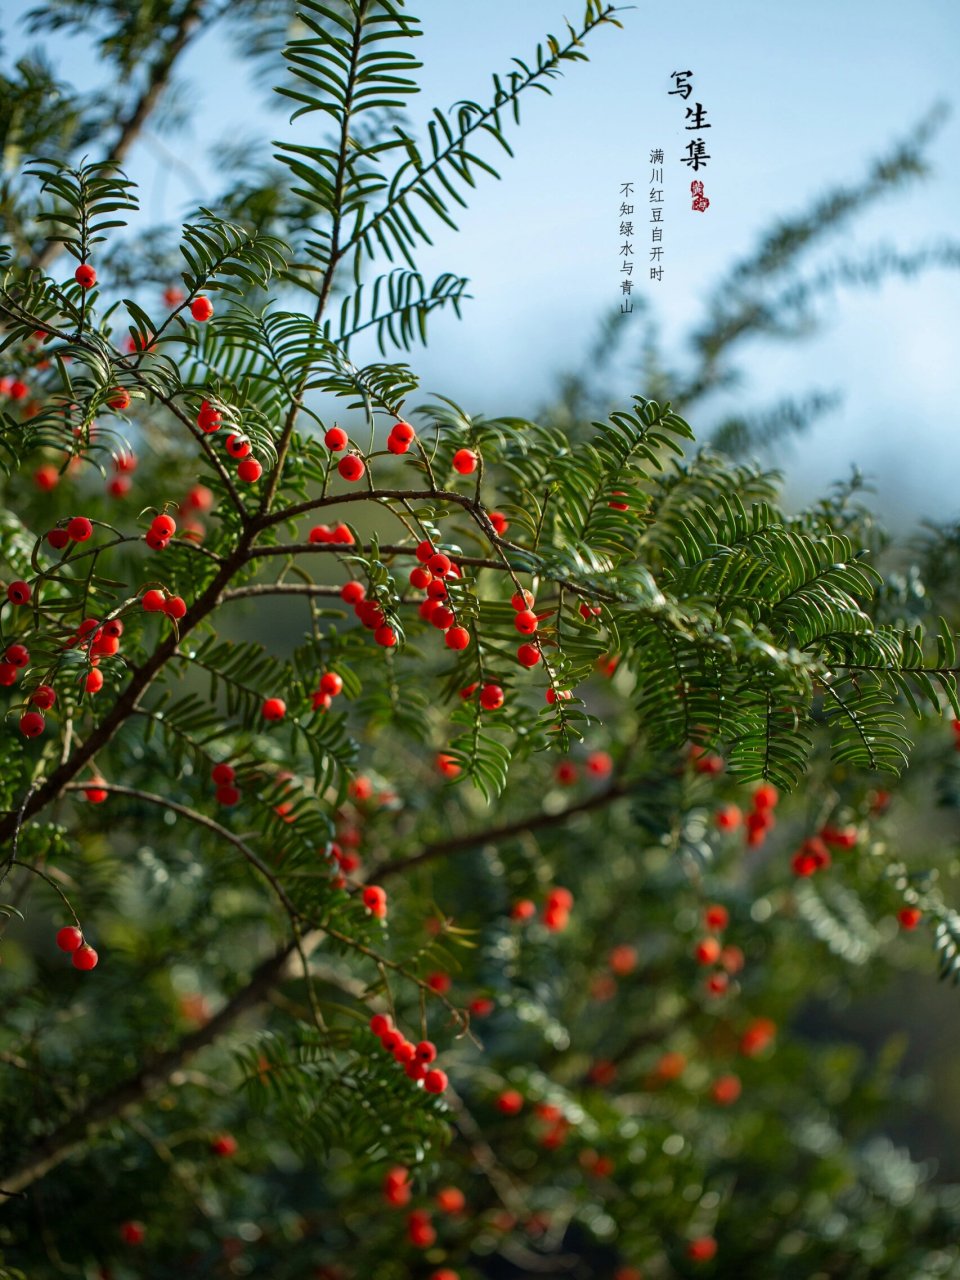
pixel 329 687
pixel 14 388
pixel 162 528
pixel 156 600
pixel 414 1058
pixel 351 466
pixel 598 763
pixel 491 696
pixel 340 533
pixel 239 448
pixel 709 951
pixel 224 779
pixel 526 622
pixel 434 570
pixel 401 437
pixel 369 613
pixel 70 939
pixel 556 910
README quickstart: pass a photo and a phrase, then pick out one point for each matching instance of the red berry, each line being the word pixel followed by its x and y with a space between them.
pixel 727 817
pixel 436 587
pixel 457 638
pixel 765 796
pixel 249 471
pixel 32 724
pixel 8 674
pixel 482 1006
pixel 201 309
pixel 227 796
pixel 707 951
pixel 237 446
pixel 909 917
pixel 199 498
pixel 403 432
pixel 155 540
pixel 558 695
pixel 465 461
pixel 523 910
pixel 336 439
pixel 619 506
pixel 17 655
pixel 174 607
pixel 499 521
pixel 566 773
pixel 528 655
pixel 352 592
pixel 451 1200
pixel 375 900
pixel 702 1249
pixel 173 296
pixel 440 615
pixel 164 525
pixel 491 697
pixel 522 600
pixel 600 764
pixel 716 917
pixel 447 765
pixel 85 276
pixel 43 697
pixel 342 534
pixel 424 551
pixel 757 1036
pixel 69 938
pixel 95 795
pixel 58 539
pixel 385 636
pixel 119 399
pixel 426 1051
pixel 435 1081
pixel 380 1024
pixel 510 1102
pixel 46 478
pixel 153 600
pixel 439 564
pixel 419 1230
pixel 133 1233
pixel 274 709
pixel 19 592
pixel 526 622
pixel 224 1144
pixel 93 681
pixel 85 957
pixel 351 467
pixel 395 445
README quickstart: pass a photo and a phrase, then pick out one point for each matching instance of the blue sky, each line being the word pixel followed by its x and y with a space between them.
pixel 800 97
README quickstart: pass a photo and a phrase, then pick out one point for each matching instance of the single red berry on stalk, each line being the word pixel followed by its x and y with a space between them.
pixel 491 697
pixel 499 521
pixel 223 774
pixel 201 309
pixel 249 471
pixel 209 418
pixel 457 638
pixel 85 957
pixel 153 600
pixel 396 445
pixel 69 938
pixel 909 917
pixel 227 796
pixel 707 951
pixel 451 1200
pixel 173 296
pixel 58 539
pixel 765 796
pixel 32 724
pixel 510 1102
pixel 95 795
pixel 703 1249
pixel 352 592
pixel 439 564
pixel 435 1081
pixel 273 709
pixel 46 478
pixel 17 655
pixel 528 655
pixel 336 439
pixel 440 616
pixel 93 681
pixel 43 697
pixel 119 399
pixel 385 636
pixel 164 525
pixel 175 607
pixel 8 674
pixel 375 900
pixel 465 461
pixel 727 817
pixel 526 622
pixel 85 276
pixel 155 541
pixel 351 467
pixel 403 432
pixel 238 446
pixel 19 592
